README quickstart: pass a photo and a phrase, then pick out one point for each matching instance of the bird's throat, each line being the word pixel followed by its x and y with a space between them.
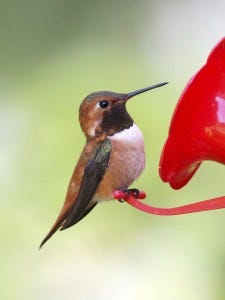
pixel 115 120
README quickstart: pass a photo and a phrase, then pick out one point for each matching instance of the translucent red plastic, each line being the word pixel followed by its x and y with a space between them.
pixel 211 204
pixel 197 129
pixel 197 133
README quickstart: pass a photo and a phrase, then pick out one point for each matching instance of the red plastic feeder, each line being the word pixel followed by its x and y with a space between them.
pixel 197 133
pixel 197 130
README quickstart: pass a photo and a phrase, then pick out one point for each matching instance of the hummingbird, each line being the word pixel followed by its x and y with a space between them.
pixel 112 159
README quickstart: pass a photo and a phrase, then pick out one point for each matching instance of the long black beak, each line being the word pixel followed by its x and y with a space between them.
pixel 134 93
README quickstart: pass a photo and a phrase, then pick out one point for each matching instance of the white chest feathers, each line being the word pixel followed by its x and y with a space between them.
pixel 133 154
pixel 131 135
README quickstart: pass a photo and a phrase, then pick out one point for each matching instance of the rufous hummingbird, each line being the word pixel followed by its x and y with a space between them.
pixel 113 156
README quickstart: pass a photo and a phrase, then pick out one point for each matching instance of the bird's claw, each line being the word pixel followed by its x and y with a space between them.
pixel 134 192
pixel 123 194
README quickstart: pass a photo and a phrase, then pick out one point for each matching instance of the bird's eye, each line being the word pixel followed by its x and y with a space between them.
pixel 103 104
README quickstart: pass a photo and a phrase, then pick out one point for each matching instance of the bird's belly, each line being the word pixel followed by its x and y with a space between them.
pixel 126 163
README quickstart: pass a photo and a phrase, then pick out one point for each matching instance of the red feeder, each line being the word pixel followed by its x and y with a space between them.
pixel 197 133
pixel 197 130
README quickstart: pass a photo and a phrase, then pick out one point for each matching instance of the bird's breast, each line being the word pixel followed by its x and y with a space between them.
pixel 126 163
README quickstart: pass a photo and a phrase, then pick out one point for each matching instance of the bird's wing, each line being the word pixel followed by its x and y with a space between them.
pixel 82 205
pixel 93 174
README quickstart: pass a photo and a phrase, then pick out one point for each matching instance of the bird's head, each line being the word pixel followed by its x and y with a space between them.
pixel 104 113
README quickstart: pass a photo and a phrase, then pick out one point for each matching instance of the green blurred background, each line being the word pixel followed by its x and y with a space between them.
pixel 54 53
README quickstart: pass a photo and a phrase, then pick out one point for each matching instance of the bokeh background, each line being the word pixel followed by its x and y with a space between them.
pixel 54 53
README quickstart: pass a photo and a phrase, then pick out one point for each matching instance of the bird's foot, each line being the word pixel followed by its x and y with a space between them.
pixel 134 193
pixel 123 194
